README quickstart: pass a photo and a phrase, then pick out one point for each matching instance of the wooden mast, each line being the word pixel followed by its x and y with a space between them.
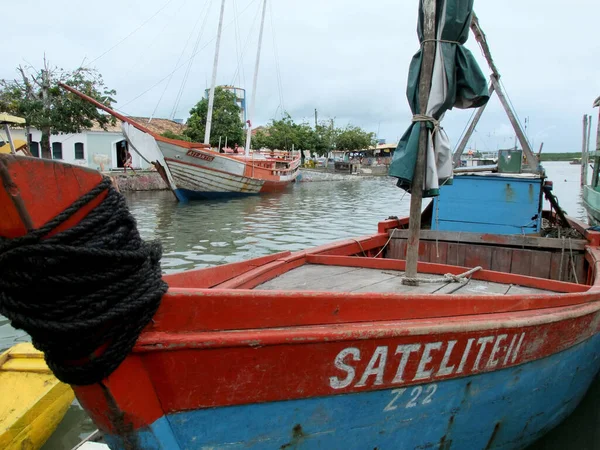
pixel 255 81
pixel 211 94
pixel 412 252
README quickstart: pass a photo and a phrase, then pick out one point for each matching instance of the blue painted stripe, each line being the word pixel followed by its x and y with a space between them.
pixel 507 409
pixel 185 195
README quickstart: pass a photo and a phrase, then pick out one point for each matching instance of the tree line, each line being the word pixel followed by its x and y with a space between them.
pixel 281 134
pixel 36 96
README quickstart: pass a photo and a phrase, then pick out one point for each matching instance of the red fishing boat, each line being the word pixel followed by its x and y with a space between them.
pixel 487 342
pixel 327 348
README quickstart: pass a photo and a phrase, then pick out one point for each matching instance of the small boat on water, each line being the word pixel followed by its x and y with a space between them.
pixel 575 162
pixel 32 400
pixel 591 191
pixel 195 171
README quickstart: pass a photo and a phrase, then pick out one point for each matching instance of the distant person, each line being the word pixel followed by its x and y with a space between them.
pixel 235 149
pixel 128 162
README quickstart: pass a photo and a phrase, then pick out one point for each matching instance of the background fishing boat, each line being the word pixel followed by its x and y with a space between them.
pixel 591 191
pixel 194 170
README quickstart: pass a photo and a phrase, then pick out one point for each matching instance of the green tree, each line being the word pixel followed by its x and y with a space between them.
pixel 354 138
pixel 36 96
pixel 325 138
pixel 226 122
pixel 285 134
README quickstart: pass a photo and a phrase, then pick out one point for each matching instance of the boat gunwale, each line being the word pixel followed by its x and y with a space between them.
pixel 157 341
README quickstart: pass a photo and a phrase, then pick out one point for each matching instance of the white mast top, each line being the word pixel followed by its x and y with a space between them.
pixel 255 81
pixel 211 95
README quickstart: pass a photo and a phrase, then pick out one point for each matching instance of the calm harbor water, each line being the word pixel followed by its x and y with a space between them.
pixel 210 233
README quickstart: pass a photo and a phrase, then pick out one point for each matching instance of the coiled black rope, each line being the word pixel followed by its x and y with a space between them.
pixel 84 294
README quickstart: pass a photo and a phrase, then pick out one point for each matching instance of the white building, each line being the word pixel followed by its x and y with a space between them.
pixel 97 148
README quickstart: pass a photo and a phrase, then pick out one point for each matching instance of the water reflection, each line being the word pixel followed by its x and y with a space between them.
pixel 204 234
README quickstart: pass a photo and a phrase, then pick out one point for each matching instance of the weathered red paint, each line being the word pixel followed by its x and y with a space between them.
pixel 46 188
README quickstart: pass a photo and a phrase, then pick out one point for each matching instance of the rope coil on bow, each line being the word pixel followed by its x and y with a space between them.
pixel 83 294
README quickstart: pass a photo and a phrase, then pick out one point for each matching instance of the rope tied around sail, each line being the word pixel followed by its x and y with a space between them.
pixel 84 294
pixel 427 119
pixel 440 40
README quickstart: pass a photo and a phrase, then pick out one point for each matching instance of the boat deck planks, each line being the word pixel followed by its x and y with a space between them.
pixel 314 277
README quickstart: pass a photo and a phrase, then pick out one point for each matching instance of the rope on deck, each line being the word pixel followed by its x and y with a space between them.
pixel 447 278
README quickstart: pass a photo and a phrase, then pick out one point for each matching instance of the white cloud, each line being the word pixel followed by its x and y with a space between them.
pixel 347 58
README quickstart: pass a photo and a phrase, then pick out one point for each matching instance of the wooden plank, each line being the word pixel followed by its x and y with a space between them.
pixel 555 266
pixel 476 287
pixel 519 241
pixel 479 256
pixel 456 254
pixel 576 263
pixel 521 262
pixel 501 259
pixel 438 252
pixel 306 277
pixel 540 264
pixel 394 284
pixel 360 280
pixel 397 249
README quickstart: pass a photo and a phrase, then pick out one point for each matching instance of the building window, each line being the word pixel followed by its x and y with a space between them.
pixel 34 148
pixel 79 154
pixel 57 150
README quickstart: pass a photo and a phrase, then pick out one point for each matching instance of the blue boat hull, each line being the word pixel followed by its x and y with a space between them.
pixel 506 409
pixel 186 195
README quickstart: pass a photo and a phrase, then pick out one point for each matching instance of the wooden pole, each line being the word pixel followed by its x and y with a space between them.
pixel 211 93
pixel 10 139
pixel 587 148
pixel 597 104
pixel 412 251
pixel 584 146
pixel 255 81
pixel 463 144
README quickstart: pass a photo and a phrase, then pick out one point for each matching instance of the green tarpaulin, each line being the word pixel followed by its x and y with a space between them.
pixel 457 82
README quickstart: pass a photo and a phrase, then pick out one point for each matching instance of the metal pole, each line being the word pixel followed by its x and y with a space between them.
pixel 584 145
pixel 469 133
pixel 211 95
pixel 255 81
pixel 412 251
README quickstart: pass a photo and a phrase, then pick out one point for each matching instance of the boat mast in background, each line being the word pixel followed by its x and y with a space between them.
pixel 255 81
pixel 211 95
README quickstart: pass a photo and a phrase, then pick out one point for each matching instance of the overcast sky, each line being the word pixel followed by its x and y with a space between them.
pixel 346 58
